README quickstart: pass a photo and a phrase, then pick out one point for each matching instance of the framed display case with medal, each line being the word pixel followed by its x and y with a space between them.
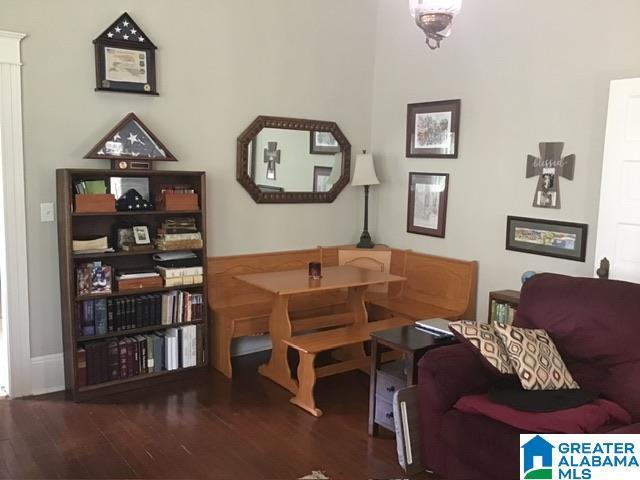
pixel 125 59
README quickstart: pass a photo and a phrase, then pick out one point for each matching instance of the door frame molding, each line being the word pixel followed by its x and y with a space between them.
pixel 13 274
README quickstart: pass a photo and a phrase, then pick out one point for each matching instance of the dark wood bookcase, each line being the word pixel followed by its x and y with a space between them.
pixel 87 225
pixel 510 298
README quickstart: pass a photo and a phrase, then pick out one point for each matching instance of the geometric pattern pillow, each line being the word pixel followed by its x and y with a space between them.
pixel 535 358
pixel 482 337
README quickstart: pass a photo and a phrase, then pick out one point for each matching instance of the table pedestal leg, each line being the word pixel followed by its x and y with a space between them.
pixel 277 369
pixel 356 305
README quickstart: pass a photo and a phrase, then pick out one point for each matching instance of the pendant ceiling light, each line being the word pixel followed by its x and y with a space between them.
pixel 434 17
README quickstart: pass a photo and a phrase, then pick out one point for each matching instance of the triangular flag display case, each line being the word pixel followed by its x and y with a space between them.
pixel 125 59
pixel 130 145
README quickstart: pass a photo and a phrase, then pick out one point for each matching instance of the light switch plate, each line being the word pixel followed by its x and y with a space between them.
pixel 47 212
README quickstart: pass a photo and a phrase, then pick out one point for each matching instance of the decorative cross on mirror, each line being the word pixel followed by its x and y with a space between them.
pixel 271 157
pixel 549 168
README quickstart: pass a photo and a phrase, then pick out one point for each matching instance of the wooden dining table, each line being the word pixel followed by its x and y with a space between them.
pixel 286 284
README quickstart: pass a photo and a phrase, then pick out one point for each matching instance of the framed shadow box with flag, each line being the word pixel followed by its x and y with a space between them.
pixel 125 59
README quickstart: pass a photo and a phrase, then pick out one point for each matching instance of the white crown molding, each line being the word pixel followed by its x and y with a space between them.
pixel 10 47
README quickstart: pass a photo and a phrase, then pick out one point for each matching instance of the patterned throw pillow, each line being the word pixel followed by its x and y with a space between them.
pixel 484 339
pixel 535 359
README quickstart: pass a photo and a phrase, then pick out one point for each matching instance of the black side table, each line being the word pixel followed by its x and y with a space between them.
pixel 389 377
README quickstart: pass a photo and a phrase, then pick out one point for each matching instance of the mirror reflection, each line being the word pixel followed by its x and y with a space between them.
pixel 283 160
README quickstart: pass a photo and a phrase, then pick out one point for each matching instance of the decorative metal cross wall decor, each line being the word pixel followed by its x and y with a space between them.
pixel 271 157
pixel 549 168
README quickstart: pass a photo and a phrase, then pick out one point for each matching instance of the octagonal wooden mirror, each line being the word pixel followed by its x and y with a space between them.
pixel 292 160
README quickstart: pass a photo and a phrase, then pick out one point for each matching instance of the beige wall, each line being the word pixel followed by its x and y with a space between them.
pixel 311 62
pixel 526 71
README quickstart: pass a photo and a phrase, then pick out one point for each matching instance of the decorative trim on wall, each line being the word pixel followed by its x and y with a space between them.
pixel 13 274
pixel 47 374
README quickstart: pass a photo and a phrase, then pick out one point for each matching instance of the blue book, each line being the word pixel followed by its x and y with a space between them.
pixel 100 316
pixel 88 325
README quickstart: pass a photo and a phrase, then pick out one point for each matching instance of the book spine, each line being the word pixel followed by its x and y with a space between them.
pixel 143 355
pixel 100 314
pixel 88 325
pixel 110 315
pixel 81 356
pixel 114 361
pixel 122 346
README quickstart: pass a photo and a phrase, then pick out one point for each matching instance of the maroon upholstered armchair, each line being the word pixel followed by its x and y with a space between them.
pixel 595 325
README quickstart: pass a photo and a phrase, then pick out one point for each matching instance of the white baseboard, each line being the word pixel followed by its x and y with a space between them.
pixel 47 374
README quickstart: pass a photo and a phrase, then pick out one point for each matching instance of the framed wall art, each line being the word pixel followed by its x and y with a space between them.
pixel 549 167
pixel 433 129
pixel 547 237
pixel 125 59
pixel 323 143
pixel 427 206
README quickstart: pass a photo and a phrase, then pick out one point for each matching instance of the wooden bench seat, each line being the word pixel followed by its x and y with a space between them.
pixel 436 287
pixel 350 339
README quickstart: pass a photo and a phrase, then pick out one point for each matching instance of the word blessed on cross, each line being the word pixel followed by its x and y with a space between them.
pixel 549 168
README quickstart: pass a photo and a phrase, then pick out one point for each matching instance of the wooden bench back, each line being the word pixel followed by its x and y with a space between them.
pixel 444 282
pixel 225 291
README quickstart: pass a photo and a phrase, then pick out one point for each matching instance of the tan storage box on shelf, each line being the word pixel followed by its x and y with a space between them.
pixel 95 203
pixel 172 202
pixel 139 284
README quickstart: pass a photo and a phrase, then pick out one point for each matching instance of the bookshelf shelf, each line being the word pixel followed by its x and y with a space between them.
pixel 136 331
pixel 81 226
pixel 141 291
pixel 123 253
pixel 137 378
pixel 138 213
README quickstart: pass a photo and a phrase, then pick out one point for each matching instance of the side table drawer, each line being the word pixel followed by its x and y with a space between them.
pixel 384 413
pixel 387 385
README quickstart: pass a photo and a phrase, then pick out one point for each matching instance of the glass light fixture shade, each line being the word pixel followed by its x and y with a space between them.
pixel 448 7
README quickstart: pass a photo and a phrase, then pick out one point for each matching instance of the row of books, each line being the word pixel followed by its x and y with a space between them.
pixel 126 357
pixel 503 313
pixel 100 316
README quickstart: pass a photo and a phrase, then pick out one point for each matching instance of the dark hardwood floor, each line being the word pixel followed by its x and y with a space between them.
pixel 201 427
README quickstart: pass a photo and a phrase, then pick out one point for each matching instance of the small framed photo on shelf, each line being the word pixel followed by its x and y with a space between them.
pixel 427 205
pixel 141 235
pixel 547 237
pixel 433 129
pixel 323 143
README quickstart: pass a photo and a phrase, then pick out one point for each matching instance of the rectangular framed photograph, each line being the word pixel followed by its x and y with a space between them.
pixel 547 237
pixel 323 143
pixel 141 235
pixel 427 207
pixel 433 129
pixel 320 179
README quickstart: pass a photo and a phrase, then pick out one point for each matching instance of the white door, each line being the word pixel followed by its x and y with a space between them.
pixel 619 219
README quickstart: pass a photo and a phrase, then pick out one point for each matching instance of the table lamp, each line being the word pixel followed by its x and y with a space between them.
pixel 365 175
